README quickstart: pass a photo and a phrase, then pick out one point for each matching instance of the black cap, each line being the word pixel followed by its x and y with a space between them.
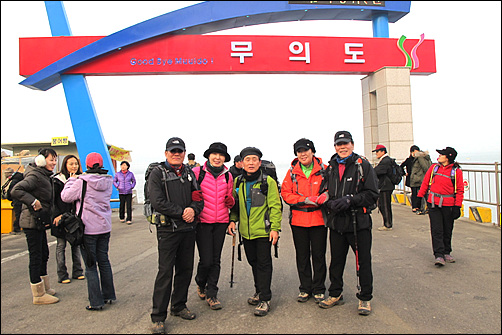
pixel 175 143
pixel 343 136
pixel 414 147
pixel 237 158
pixel 449 152
pixel 219 148
pixel 305 144
pixel 251 151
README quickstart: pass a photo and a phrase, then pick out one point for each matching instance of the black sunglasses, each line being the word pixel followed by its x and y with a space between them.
pixel 176 151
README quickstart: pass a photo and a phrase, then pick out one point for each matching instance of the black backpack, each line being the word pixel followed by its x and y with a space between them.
pixel 396 173
pixel 10 183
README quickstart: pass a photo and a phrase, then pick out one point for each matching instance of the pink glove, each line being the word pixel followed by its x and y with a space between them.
pixel 197 196
pixel 311 200
pixel 322 198
pixel 229 201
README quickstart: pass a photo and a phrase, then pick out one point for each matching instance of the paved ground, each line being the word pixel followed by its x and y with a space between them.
pixel 411 294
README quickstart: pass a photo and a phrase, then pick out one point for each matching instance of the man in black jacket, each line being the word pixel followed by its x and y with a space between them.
pixel 353 192
pixel 386 187
pixel 236 169
pixel 176 198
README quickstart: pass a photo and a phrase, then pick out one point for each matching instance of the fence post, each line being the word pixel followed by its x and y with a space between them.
pixel 497 191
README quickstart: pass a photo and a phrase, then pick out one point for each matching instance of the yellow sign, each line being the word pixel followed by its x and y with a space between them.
pixel 119 154
pixel 59 141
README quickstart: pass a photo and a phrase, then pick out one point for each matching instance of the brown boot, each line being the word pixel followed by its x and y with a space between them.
pixel 48 288
pixel 39 295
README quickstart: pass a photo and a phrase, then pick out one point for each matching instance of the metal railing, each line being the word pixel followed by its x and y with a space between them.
pixel 483 185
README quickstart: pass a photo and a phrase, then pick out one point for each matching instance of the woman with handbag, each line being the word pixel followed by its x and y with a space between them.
pixel 71 166
pixel 97 218
pixel 35 193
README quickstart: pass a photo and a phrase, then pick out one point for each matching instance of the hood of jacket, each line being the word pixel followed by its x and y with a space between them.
pixel 422 154
pixel 96 181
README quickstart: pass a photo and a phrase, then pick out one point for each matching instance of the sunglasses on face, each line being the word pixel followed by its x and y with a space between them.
pixel 176 151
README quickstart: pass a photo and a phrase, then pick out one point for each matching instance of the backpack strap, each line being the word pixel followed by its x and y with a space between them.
pixel 84 189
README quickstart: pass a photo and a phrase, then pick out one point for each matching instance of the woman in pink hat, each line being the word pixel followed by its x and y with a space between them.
pixel 97 218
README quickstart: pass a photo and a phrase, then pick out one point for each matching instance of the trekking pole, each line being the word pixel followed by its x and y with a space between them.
pixel 233 256
pixel 356 251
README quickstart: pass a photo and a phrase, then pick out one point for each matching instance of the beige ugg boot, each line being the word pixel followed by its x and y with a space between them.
pixel 47 285
pixel 39 295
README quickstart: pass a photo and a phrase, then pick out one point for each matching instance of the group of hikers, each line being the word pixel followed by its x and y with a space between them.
pixel 199 205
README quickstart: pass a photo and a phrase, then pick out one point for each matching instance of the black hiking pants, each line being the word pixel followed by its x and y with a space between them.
pixel 210 238
pixel 311 242
pixel 176 253
pixel 259 256
pixel 385 207
pixel 339 245
pixel 441 222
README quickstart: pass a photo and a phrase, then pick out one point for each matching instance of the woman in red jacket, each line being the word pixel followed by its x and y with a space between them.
pixel 444 186
pixel 300 190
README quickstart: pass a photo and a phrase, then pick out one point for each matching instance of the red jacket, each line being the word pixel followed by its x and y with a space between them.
pixel 295 193
pixel 443 185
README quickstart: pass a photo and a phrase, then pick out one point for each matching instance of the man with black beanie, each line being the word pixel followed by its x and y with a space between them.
pixel 258 209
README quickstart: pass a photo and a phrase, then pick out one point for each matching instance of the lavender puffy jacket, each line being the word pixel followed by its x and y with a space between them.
pixel 214 191
pixel 124 182
pixel 97 212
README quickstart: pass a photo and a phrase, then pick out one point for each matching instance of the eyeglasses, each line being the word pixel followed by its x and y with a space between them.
pixel 176 151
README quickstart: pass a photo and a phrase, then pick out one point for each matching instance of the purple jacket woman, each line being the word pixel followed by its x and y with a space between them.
pixel 124 182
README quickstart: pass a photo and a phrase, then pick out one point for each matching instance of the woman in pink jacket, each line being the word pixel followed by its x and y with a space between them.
pixel 97 217
pixel 216 183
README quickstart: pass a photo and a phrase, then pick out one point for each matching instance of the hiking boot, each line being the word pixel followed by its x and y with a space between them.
pixel 331 301
pixel 449 259
pixel 254 300
pixel 439 261
pixel 201 292
pixel 303 297
pixel 184 314
pixel 158 327
pixel 364 308
pixel 318 298
pixel 262 309
pixel 214 303
pixel 383 228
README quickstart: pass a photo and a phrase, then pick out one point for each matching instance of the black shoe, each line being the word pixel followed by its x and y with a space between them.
pixel 90 308
pixel 184 314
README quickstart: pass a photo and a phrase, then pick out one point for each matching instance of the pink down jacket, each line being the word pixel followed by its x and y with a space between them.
pixel 214 191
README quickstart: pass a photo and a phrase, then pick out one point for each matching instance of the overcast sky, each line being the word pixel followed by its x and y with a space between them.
pixel 458 106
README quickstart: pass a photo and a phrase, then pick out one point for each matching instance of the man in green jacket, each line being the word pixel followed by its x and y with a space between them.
pixel 258 211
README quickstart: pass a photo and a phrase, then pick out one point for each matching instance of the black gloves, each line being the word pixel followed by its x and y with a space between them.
pixel 340 204
pixel 455 212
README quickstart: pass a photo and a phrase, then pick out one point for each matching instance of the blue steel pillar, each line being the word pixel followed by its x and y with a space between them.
pixel 85 123
pixel 380 21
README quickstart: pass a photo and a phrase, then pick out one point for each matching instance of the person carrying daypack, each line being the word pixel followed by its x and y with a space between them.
pixel 421 163
pixel 175 195
pixel 216 183
pixel 383 169
pixel 258 211
pixel 443 185
pixel 353 192
pixel 301 190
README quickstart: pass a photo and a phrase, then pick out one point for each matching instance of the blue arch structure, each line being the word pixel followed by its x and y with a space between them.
pixel 205 17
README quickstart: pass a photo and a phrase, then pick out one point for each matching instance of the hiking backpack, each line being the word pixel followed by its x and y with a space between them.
pixel 151 215
pixel 8 185
pixel 396 173
pixel 452 176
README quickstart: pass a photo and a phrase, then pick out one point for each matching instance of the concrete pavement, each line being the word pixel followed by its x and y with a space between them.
pixel 411 295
